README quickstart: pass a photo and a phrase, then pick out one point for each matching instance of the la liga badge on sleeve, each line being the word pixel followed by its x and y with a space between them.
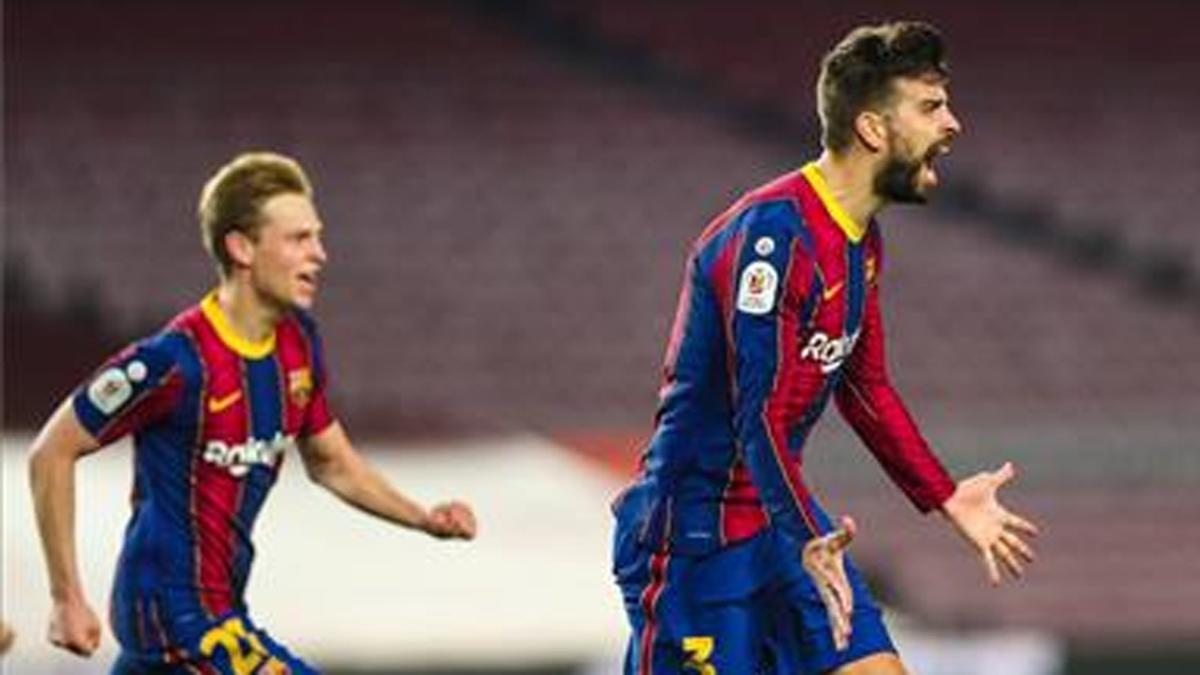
pixel 757 288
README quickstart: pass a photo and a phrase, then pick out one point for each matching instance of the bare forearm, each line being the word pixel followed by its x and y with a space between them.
pixel 333 463
pixel 52 481
pixel 360 485
pixel 52 457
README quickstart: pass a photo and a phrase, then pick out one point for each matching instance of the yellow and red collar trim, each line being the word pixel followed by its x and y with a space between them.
pixel 220 323
pixel 854 232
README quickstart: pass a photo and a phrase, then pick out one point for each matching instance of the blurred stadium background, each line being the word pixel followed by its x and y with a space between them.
pixel 510 189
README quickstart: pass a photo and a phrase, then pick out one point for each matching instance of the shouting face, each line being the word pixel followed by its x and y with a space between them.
pixel 920 129
pixel 286 255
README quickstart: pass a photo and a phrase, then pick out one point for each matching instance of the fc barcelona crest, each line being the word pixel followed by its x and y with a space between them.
pixel 300 386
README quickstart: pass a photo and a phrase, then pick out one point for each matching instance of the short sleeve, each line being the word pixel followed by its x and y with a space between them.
pixel 137 387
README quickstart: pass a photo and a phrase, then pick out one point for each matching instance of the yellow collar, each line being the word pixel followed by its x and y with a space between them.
pixel 220 323
pixel 854 231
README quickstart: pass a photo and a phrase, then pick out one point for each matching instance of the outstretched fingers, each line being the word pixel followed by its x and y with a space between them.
pixel 839 623
pixel 1009 562
pixel 989 563
pixel 839 603
pixel 1018 546
pixel 1014 522
pixel 824 559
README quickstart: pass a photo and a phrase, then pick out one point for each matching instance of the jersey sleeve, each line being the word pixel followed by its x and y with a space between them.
pixel 317 415
pixel 873 408
pixel 773 291
pixel 138 387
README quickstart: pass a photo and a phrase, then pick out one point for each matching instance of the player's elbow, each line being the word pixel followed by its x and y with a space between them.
pixel 317 469
pixel 327 470
pixel 45 462
pixel 62 439
pixel 47 457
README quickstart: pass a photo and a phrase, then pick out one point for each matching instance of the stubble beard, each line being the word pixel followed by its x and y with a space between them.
pixel 896 182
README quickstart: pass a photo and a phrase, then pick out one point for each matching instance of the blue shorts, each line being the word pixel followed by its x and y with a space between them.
pixel 748 609
pixel 229 645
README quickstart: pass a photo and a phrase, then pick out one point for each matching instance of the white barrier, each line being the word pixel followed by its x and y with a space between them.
pixel 341 587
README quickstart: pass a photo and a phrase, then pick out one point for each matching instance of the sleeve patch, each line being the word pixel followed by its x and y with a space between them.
pixel 111 389
pixel 757 288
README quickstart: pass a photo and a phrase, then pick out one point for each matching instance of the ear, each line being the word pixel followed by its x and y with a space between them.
pixel 872 130
pixel 240 248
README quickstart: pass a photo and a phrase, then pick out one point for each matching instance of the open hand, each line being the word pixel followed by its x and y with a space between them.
pixel 994 531
pixel 824 560
pixel 451 520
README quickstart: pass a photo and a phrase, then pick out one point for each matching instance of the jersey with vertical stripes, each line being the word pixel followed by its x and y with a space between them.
pixel 779 313
pixel 212 416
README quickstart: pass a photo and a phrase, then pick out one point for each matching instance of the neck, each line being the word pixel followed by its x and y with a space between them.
pixel 851 179
pixel 250 317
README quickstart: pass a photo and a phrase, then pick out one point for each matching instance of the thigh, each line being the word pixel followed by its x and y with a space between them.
pixel 875 664
pixel 680 626
pixel 235 646
pixel 129 664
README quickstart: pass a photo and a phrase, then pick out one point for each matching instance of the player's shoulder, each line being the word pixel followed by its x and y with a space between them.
pixel 774 202
pixel 298 333
pixel 303 322
pixel 874 237
pixel 145 362
pixel 182 343
pixel 298 330
pixel 186 321
pixel 780 188
pixel 772 205
pixel 178 336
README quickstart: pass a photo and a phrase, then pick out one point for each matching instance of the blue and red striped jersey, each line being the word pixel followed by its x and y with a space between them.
pixel 778 314
pixel 212 416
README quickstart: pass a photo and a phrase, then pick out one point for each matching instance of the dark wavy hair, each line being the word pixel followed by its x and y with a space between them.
pixel 857 74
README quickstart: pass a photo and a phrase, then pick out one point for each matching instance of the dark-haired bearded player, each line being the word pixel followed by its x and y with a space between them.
pixel 725 561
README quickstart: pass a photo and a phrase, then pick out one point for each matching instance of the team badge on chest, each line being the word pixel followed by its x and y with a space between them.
pixel 300 386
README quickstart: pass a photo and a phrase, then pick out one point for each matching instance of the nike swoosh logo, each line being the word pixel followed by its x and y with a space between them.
pixel 216 405
pixel 828 293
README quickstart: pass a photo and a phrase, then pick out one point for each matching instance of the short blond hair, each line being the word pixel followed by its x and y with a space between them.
pixel 232 199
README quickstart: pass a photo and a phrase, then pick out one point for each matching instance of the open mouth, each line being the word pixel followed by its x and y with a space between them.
pixel 309 279
pixel 935 152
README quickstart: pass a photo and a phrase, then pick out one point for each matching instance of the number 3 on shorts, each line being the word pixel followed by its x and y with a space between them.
pixel 699 650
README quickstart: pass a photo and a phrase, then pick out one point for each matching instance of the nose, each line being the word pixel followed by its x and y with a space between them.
pixel 954 128
pixel 318 251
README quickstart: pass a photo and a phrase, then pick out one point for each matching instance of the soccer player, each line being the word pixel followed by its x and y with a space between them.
pixel 725 561
pixel 215 400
